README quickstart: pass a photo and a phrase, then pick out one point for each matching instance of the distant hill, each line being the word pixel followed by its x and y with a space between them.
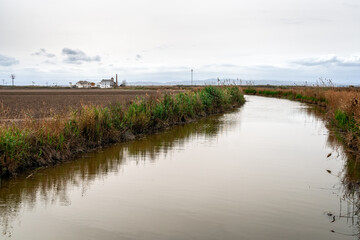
pixel 213 81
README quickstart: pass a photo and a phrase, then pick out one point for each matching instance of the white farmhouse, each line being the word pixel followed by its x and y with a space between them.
pixel 107 83
pixel 83 84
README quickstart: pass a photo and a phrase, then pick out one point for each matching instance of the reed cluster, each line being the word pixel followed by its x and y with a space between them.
pixel 42 143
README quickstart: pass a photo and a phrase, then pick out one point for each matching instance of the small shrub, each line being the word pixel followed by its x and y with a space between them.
pixel 250 91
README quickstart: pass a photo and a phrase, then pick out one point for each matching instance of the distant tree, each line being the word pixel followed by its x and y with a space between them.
pixel 123 83
pixel 12 76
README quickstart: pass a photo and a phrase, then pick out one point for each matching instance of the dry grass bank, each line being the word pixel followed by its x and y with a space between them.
pixel 42 143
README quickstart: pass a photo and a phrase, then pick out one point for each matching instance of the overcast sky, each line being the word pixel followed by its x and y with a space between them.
pixel 161 40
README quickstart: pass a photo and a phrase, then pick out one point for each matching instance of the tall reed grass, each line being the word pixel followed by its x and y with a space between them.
pixel 43 143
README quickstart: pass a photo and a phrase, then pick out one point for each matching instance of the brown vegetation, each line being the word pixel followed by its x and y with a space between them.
pixel 24 103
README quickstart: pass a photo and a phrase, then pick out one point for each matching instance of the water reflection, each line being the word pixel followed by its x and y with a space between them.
pixel 51 185
pixel 348 188
pixel 151 146
pixel 349 208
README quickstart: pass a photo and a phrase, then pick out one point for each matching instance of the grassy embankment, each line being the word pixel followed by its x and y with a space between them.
pixel 43 143
pixel 341 105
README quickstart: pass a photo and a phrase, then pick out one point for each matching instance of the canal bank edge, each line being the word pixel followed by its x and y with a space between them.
pixel 39 144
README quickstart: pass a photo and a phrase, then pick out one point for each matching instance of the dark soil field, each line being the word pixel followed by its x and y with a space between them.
pixel 17 104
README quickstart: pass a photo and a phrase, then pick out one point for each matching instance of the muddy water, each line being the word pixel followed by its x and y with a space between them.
pixel 257 173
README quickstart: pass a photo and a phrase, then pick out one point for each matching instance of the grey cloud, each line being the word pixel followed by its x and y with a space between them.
pixel 353 61
pixel 44 53
pixel 78 56
pixel 7 61
pixel 317 61
pixel 349 64
pixel 138 57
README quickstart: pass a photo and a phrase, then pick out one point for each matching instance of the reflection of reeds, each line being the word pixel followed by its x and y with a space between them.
pixel 349 185
pixel 41 143
pixel 342 105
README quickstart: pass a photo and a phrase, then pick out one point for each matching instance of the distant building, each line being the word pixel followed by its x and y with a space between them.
pixel 107 83
pixel 84 84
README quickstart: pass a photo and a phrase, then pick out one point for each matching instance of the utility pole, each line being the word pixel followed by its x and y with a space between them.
pixel 192 76
pixel 12 76
pixel 3 82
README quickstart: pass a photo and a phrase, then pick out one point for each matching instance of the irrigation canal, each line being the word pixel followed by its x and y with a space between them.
pixel 260 172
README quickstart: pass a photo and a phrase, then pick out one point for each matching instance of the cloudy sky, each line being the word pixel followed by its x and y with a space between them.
pixel 161 40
